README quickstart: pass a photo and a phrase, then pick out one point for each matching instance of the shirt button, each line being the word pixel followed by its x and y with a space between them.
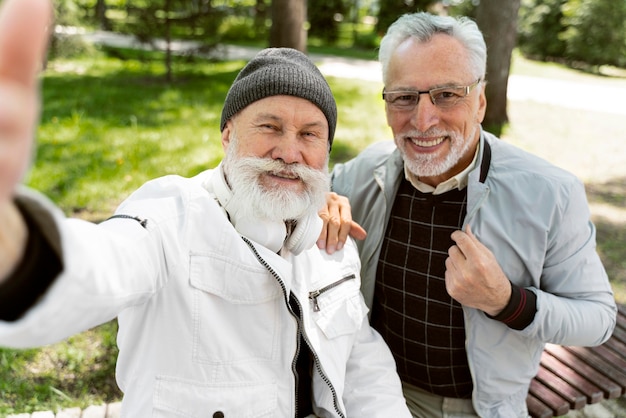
pixel 218 414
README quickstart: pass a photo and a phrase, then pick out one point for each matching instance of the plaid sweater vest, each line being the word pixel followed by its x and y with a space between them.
pixel 421 323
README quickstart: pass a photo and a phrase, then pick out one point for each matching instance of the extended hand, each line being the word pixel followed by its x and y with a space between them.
pixel 474 277
pixel 338 224
pixel 24 26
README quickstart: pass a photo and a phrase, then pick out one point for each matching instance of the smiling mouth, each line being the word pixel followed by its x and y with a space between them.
pixel 284 175
pixel 427 143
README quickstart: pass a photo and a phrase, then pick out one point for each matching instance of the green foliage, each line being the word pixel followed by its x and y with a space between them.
pixel 462 7
pixel 539 27
pixel 69 46
pixel 177 19
pixel 369 41
pixel 390 10
pixel 322 16
pixel 595 31
pixel 240 28
pixel 579 32
pixel 68 13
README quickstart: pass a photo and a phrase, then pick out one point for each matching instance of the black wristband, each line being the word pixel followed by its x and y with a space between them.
pixel 39 266
pixel 521 309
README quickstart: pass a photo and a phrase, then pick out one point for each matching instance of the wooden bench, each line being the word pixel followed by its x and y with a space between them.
pixel 571 377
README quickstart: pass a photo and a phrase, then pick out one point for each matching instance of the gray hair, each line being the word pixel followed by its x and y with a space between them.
pixel 422 26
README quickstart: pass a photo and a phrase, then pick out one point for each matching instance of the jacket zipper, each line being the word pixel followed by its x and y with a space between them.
pixel 294 366
pixel 316 293
pixel 300 321
pixel 318 365
pixel 142 222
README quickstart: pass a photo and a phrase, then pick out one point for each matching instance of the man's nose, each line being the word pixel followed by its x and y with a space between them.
pixel 425 114
pixel 288 149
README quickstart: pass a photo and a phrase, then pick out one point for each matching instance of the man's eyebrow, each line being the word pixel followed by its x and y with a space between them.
pixel 435 86
pixel 316 124
pixel 264 116
pixel 261 117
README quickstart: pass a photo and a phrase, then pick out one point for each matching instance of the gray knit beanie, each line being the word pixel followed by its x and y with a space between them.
pixel 281 71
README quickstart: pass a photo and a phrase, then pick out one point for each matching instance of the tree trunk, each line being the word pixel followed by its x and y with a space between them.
pixel 498 21
pixel 260 13
pixel 101 15
pixel 288 17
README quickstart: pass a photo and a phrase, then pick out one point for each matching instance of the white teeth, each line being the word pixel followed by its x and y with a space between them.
pixel 285 175
pixel 431 143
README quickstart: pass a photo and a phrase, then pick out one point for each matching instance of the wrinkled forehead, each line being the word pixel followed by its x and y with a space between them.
pixel 441 60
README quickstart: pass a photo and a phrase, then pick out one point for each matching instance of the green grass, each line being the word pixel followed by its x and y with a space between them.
pixel 78 372
pixel 109 125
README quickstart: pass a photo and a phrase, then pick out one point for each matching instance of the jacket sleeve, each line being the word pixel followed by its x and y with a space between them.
pixel 103 269
pixel 575 303
pixel 40 265
pixel 372 387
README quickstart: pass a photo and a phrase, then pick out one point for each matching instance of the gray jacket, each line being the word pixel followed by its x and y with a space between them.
pixel 535 218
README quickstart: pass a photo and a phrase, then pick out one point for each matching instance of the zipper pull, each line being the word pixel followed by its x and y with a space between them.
pixel 313 297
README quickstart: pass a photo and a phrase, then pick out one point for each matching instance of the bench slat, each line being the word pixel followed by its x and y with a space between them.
pixel 572 377
pixel 575 398
pixel 557 404
pixel 604 361
pixel 618 347
pixel 609 387
pixel 593 393
pixel 538 409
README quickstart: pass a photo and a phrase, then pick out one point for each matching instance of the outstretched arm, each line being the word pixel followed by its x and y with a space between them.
pixel 24 30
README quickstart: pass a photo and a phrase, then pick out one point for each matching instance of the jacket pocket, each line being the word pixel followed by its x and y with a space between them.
pixel 234 312
pixel 338 307
pixel 189 399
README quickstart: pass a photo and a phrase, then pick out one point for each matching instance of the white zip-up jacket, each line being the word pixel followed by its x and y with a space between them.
pixel 204 321
pixel 534 217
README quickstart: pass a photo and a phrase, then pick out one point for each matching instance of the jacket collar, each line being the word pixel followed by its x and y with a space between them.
pixel 486 158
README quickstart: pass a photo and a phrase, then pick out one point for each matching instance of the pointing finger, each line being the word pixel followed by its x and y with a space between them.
pixel 24 31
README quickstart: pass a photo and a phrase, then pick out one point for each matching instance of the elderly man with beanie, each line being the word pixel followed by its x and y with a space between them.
pixel 226 308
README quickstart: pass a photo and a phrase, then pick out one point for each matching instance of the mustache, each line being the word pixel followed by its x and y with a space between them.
pixel 280 168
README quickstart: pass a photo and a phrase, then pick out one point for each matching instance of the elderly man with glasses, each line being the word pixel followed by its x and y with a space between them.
pixel 477 253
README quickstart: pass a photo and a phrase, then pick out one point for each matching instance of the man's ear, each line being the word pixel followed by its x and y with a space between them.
pixel 228 128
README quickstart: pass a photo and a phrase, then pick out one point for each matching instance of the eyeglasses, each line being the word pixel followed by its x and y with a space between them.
pixel 442 97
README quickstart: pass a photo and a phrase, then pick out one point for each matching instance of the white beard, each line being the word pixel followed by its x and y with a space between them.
pixel 430 165
pixel 257 201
